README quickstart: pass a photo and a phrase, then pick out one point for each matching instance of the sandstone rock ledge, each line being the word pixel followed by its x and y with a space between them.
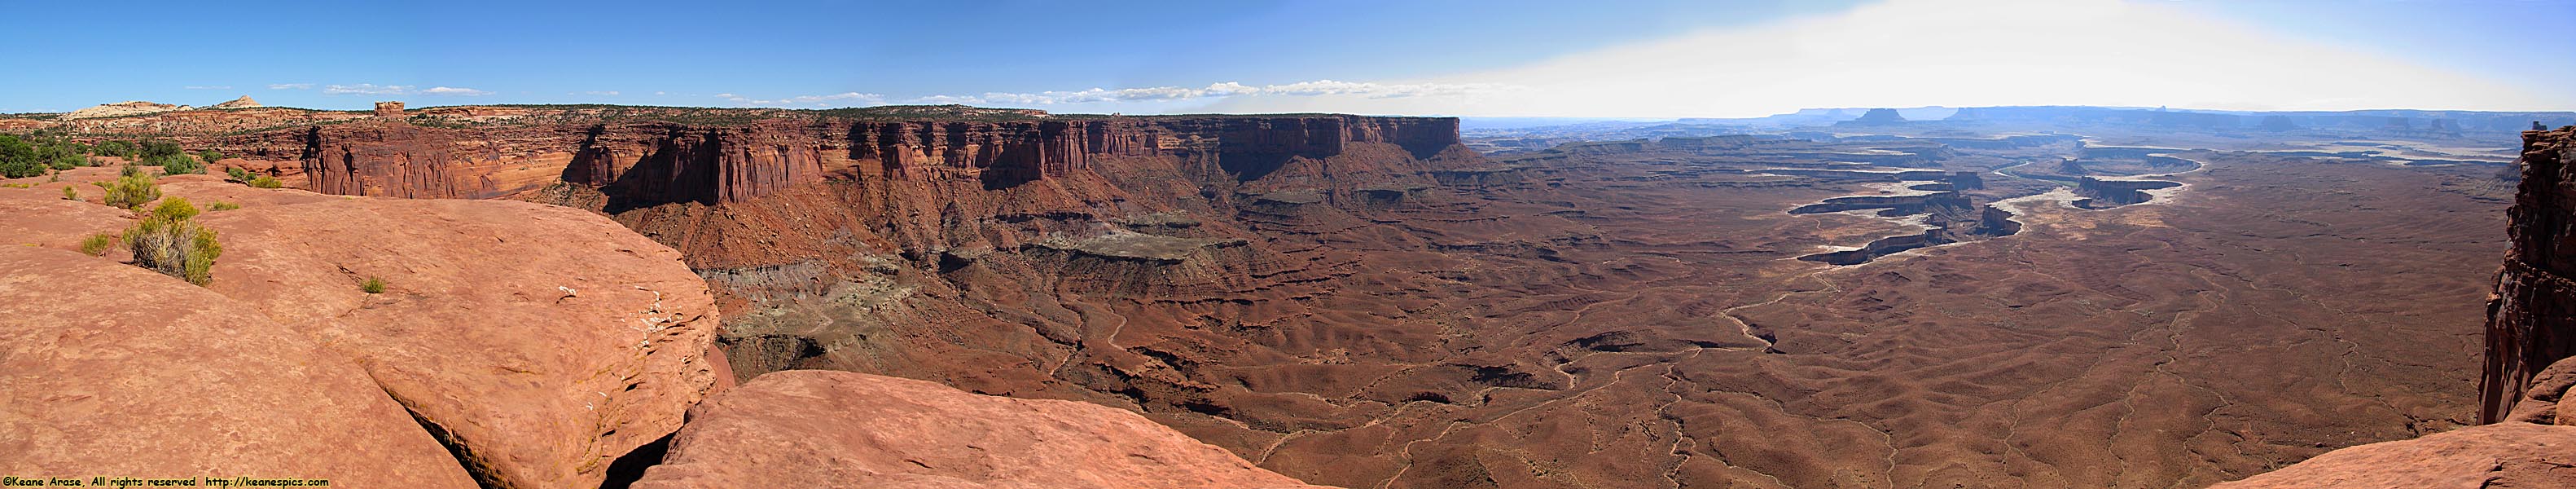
pixel 540 344
pixel 2497 456
pixel 108 368
pixel 816 428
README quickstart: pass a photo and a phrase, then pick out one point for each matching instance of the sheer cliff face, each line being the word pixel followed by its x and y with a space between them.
pixel 2531 321
pixel 642 164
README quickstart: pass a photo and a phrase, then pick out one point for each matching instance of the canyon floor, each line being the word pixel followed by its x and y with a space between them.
pixel 1648 317
pixel 1638 314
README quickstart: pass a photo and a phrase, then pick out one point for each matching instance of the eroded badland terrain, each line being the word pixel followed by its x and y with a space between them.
pixel 2013 298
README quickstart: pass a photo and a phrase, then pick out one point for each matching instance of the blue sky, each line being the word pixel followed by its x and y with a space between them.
pixel 1507 57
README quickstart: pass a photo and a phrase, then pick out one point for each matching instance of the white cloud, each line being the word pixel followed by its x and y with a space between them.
pixel 209 87
pixel 1222 90
pixel 462 92
pixel 845 99
pixel 366 89
pixel 290 86
pixel 610 93
pixel 1903 53
pixel 374 89
pixel 1164 96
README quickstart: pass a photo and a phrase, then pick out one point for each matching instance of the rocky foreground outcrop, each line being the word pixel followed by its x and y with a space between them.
pixel 111 369
pixel 578 358
pixel 2497 456
pixel 536 367
pixel 842 429
pixel 512 344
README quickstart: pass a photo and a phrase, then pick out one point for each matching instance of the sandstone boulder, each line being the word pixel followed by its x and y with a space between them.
pixel 2497 456
pixel 541 342
pixel 110 369
pixel 813 428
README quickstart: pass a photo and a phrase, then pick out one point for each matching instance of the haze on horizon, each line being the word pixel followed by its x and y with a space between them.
pixel 1627 59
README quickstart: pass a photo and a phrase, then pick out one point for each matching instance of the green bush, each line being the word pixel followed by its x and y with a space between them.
pixel 130 170
pixel 210 156
pixel 119 149
pixel 174 209
pixel 97 244
pixel 265 181
pixel 373 285
pixel 168 242
pixel 237 175
pixel 155 149
pixel 70 193
pixel 222 206
pixel 131 191
pixel 19 159
pixel 177 164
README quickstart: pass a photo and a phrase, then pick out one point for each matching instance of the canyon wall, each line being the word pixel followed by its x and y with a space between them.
pixel 2531 321
pixel 641 164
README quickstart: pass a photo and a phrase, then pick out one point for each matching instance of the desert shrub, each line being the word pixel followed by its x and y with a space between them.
pixel 265 181
pixel 121 149
pixel 131 191
pixel 174 209
pixel 155 149
pixel 168 242
pixel 97 244
pixel 373 285
pixel 19 159
pixel 210 156
pixel 222 206
pixel 177 164
pixel 237 175
pixel 130 170
pixel 68 161
pixel 70 193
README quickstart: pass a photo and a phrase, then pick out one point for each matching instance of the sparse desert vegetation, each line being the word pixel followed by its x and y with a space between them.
pixel 246 177
pixel 98 244
pixel 167 241
pixel 35 155
pixel 130 190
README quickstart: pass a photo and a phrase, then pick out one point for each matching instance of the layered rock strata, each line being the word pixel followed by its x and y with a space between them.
pixel 649 163
pixel 2531 321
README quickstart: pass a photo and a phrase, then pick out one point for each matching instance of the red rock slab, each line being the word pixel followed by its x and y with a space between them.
pixel 2497 456
pixel 108 369
pixel 815 428
pixel 40 217
pixel 543 342
pixel 206 190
